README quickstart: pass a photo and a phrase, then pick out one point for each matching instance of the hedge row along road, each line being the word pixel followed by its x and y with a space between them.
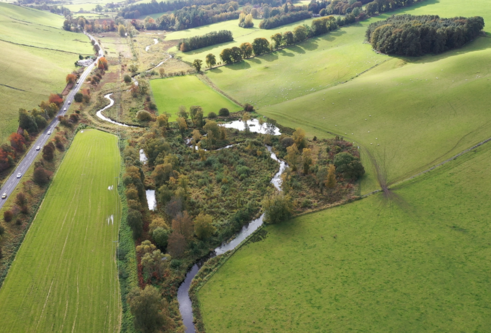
pixel 64 277
pixel 11 183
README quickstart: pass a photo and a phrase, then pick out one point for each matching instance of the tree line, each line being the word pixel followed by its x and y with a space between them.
pixel 137 10
pixel 408 35
pixel 262 45
pixel 211 38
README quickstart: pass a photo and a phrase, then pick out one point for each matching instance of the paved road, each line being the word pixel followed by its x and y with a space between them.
pixel 9 186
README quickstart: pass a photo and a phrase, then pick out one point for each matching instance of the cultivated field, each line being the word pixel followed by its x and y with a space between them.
pixel 64 277
pixel 189 90
pixel 418 263
pixel 30 74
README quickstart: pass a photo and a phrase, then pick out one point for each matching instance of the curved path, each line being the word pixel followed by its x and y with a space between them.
pixel 22 167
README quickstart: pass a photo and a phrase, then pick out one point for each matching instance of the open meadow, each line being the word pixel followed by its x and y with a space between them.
pixel 169 95
pixel 64 277
pixel 415 263
pixel 32 71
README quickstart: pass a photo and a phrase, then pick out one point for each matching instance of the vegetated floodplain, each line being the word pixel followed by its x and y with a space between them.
pixel 64 277
pixel 21 84
pixel 188 90
pixel 415 263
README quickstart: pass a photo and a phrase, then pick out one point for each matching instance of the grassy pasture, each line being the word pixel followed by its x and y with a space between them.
pixel 415 264
pixel 188 90
pixel 64 277
pixel 298 70
pixel 32 73
pixel 419 110
pixel 41 29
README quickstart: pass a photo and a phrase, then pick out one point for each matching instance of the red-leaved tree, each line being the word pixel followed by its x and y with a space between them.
pixel 102 64
pixel 57 99
pixel 71 78
pixel 18 142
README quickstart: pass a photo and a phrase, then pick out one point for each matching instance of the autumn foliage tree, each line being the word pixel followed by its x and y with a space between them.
pixel 48 152
pixel 18 142
pixel 41 176
pixel 7 156
pixel 176 245
pixel 7 216
pixel 56 99
pixel 102 64
pixel 203 226
pixel 183 224
pixel 71 78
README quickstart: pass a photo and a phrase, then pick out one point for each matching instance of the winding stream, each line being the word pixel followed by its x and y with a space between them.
pixel 185 306
pixel 101 116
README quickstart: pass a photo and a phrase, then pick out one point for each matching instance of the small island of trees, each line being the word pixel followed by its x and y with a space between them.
pixel 408 35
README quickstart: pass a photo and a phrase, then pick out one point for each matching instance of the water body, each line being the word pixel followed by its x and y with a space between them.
pixel 152 203
pixel 101 116
pixel 254 126
pixel 143 157
pixel 185 305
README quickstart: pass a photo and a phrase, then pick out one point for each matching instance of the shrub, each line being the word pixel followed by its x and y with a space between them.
pixel 18 222
pixel 212 115
pixel 348 165
pixel 277 208
pixel 78 97
pixel 24 210
pixel 21 199
pixel 224 112
pixel 248 107
pixel 41 176
pixel 8 215
pixel 127 78
pixel 2 230
pixel 143 115
pixel 160 237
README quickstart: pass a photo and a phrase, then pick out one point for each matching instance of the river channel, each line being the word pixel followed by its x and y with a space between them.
pixel 185 306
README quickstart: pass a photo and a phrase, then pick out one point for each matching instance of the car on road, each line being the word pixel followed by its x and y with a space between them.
pixel 38 148
pixel 69 102
pixel 49 132
pixel 4 195
pixel 18 175
pixel 64 109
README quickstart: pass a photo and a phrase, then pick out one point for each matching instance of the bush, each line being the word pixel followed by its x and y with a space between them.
pixel 18 222
pixel 248 107
pixel 224 112
pixel 79 97
pixel 127 78
pixel 212 115
pixel 143 115
pixel 277 208
pixel 348 165
pixel 41 176
pixel 8 215
pixel 2 230
pixel 160 237
pixel 21 199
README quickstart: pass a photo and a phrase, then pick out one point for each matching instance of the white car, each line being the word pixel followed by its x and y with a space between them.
pixel 38 148
pixel 4 195
pixel 69 102
pixel 64 109
pixel 49 132
pixel 19 175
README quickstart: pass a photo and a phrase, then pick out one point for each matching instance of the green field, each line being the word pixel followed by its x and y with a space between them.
pixel 64 277
pixel 188 90
pixel 423 110
pixel 30 74
pixel 419 263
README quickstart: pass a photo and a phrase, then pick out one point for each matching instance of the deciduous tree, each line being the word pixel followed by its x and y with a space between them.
pixel 183 224
pixel 176 245
pixel 203 226
pixel 148 309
